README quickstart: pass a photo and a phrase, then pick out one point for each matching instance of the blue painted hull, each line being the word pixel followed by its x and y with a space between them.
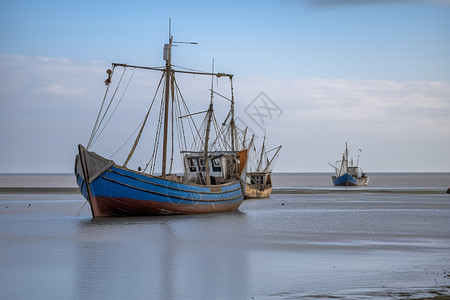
pixel 349 180
pixel 122 192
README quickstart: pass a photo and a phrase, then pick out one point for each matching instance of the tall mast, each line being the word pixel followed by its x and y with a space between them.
pixel 168 59
pixel 346 157
pixel 262 154
pixel 208 128
pixel 270 162
pixel 245 136
pixel 233 125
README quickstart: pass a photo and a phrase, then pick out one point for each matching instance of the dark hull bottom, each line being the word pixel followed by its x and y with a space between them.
pixel 346 184
pixel 112 207
pixel 348 180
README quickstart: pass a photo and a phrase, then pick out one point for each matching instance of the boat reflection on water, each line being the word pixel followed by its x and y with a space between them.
pixel 163 257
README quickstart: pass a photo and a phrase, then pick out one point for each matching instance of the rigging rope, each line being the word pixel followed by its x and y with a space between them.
pixel 182 137
pixel 189 69
pixel 101 107
pixel 115 108
pixel 192 123
pixel 220 138
pixel 98 124
pixel 173 98
pixel 143 122
pixel 182 145
pixel 123 145
pixel 198 138
pixel 152 161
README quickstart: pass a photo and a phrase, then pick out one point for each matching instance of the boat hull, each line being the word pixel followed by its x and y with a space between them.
pixel 117 191
pixel 349 180
pixel 252 191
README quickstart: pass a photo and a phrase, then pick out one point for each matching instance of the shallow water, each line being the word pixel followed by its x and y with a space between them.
pixel 440 181
pixel 412 181
pixel 37 180
pixel 350 246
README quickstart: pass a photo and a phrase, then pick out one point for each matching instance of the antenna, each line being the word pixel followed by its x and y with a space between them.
pixel 168 47
pixel 212 81
pixel 167 54
pixel 170 27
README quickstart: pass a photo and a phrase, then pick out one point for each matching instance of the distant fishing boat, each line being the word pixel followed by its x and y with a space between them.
pixel 212 177
pixel 258 180
pixel 348 174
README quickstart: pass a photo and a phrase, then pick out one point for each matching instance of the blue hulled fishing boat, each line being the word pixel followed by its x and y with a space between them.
pixel 348 174
pixel 213 171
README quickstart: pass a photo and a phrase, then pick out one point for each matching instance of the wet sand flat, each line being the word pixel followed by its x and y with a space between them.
pixel 290 246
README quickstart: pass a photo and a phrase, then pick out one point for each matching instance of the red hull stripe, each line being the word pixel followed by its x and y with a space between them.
pixel 109 206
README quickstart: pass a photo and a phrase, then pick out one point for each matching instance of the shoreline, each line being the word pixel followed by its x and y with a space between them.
pixel 39 190
pixel 295 191
pixel 356 191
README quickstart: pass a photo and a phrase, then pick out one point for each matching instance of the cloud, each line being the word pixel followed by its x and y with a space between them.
pixel 59 90
pixel 43 110
pixel 423 105
pixel 402 125
pixel 26 76
pixel 51 103
pixel 325 3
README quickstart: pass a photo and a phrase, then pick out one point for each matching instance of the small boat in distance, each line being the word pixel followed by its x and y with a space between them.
pixel 211 181
pixel 258 181
pixel 348 175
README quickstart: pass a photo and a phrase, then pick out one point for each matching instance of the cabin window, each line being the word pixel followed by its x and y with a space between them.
pixel 258 179
pixel 216 165
pixel 192 167
pixel 202 164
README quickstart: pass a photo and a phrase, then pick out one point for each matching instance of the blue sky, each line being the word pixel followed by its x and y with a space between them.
pixel 316 40
pixel 373 73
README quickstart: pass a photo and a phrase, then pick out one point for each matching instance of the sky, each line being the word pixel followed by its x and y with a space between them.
pixel 310 74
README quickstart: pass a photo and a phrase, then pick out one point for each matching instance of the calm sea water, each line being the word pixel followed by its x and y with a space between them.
pixel 281 180
pixel 377 180
pixel 37 180
pixel 303 246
